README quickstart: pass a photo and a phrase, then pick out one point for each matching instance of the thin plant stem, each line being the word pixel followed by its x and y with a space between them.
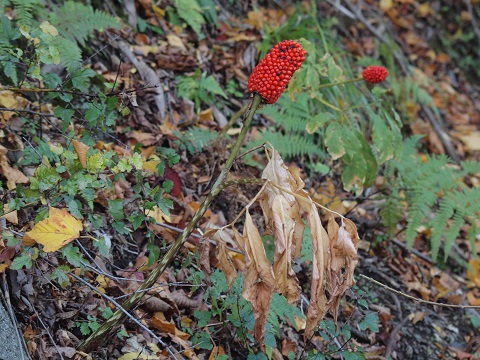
pixel 100 334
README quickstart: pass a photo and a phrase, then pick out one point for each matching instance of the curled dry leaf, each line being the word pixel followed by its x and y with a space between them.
pixel 318 299
pixel 342 260
pixel 286 281
pixel 81 149
pixel 259 280
pixel 225 262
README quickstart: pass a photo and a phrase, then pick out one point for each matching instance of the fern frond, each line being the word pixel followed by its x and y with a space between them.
pixel 417 212
pixel 289 145
pixel 25 10
pixel 457 222
pixel 195 139
pixel 70 53
pixel 438 224
pixel 77 22
pixel 391 212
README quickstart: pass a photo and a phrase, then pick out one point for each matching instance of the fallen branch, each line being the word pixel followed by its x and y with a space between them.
pixel 418 299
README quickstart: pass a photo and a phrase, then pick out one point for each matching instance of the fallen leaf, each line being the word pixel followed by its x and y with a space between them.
pixel 81 149
pixel 56 231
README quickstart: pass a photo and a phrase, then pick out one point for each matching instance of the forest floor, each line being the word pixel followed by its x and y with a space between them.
pixel 54 320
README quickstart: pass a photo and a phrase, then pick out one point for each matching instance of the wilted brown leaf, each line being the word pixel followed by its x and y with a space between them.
pixel 286 281
pixel 342 260
pixel 318 299
pixel 259 279
pixel 225 262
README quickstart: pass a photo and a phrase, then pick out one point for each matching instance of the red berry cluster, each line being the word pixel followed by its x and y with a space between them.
pixel 271 76
pixel 375 74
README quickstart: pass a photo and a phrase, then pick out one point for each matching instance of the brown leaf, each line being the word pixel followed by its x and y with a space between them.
pixel 204 251
pixel 81 149
pixel 286 281
pixel 259 280
pixel 342 260
pixel 318 299
pixel 225 262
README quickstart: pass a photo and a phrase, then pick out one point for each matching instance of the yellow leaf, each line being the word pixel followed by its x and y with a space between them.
pixel 81 150
pixel 48 28
pixel 56 231
pixel 386 5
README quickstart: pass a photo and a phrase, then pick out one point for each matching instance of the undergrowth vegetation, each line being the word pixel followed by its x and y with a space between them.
pixel 350 131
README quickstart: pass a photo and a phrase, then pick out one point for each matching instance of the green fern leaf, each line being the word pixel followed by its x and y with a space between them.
pixel 70 53
pixel 77 22
pixel 391 212
pixel 25 10
pixel 452 232
pixel 190 11
pixel 438 224
pixel 195 139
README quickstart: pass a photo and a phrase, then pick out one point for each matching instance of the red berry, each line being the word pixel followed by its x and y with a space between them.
pixel 271 76
pixel 375 74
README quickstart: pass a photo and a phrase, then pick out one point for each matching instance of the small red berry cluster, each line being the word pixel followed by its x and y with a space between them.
pixel 271 76
pixel 375 74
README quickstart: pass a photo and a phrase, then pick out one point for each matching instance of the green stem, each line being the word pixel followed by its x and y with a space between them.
pixel 339 83
pixel 101 333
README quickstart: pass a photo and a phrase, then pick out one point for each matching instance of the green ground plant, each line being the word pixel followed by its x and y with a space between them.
pixel 348 125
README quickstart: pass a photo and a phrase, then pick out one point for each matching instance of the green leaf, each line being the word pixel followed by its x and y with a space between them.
pixel 334 141
pixel 203 317
pixel 370 321
pixel 21 261
pixel 383 139
pixel 107 313
pixel 318 120
pixel 81 79
pixel 190 11
pixel 73 255
pixel 64 114
pixel 115 208
pixel 154 253
pixel 61 275
pixel 202 340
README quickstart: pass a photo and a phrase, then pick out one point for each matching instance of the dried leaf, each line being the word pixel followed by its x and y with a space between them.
pixel 81 149
pixel 225 262
pixel 342 260
pixel 318 299
pixel 259 280
pixel 56 231
pixel 286 281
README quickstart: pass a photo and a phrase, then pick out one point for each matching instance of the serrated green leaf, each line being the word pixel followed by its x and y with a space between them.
pixel 370 321
pixel 115 208
pixel 21 261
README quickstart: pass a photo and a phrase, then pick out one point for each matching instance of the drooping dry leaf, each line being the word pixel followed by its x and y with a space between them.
pixel 225 262
pixel 279 174
pixel 204 250
pixel 342 260
pixel 56 231
pixel 259 280
pixel 318 299
pixel 81 149
pixel 286 281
